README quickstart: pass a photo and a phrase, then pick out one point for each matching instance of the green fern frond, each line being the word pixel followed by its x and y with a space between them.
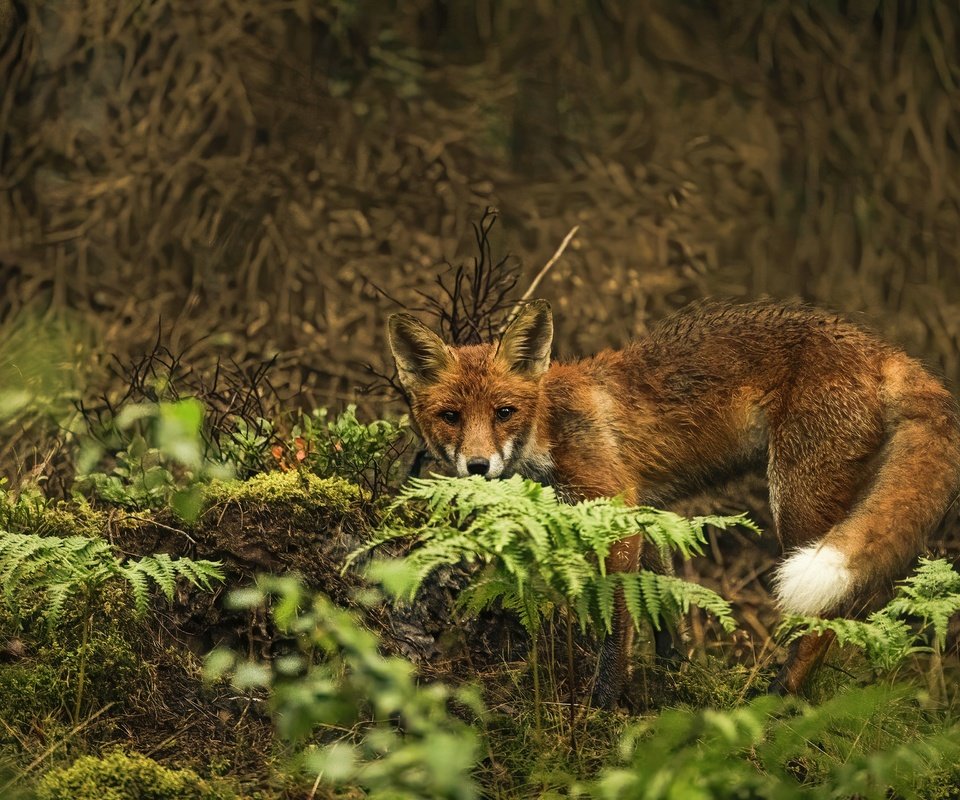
pixel 604 593
pixel 140 587
pixel 16 550
pixel 164 571
pixel 651 596
pixel 885 641
pixel 671 532
pixel 536 546
pixel 57 568
pixel 530 612
pixel 56 596
pixel 932 593
pixel 483 593
pixel 658 594
pixel 725 523
pixel 201 573
pixel 638 603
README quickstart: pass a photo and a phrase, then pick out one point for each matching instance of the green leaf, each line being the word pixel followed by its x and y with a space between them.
pixel 250 675
pixel 188 503
pixel 178 431
pixel 218 663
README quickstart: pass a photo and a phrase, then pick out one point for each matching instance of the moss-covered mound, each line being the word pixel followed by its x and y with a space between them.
pixel 283 522
pixel 126 776
pixel 39 685
pixel 274 522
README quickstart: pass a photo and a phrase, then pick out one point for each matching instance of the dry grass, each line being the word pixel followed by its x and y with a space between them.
pixel 240 170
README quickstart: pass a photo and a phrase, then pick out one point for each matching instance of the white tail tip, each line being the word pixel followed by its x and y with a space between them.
pixel 812 580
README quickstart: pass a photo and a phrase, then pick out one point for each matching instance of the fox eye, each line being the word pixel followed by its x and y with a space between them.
pixel 450 417
pixel 504 413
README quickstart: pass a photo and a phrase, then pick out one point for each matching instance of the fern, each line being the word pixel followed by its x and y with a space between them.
pixel 542 551
pixel 886 642
pixel 676 596
pixel 931 593
pixel 56 569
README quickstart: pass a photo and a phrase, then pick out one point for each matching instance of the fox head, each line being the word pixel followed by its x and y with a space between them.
pixel 476 406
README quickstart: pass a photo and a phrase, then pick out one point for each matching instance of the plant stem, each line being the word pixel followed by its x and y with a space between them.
pixel 84 646
pixel 535 667
pixel 535 664
pixel 570 677
pixel 936 680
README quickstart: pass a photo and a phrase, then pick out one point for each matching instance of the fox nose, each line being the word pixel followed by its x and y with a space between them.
pixel 478 466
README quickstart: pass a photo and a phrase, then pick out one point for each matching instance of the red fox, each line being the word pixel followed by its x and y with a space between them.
pixel 861 445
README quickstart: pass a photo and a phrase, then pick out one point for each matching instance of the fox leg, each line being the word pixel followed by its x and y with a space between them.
pixel 817 587
pixel 815 578
pixel 666 637
pixel 614 667
pixel 805 656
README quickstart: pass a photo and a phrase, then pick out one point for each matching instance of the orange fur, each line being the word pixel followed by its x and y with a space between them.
pixel 860 444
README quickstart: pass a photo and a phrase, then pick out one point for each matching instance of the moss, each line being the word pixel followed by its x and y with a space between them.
pixel 122 776
pixel 77 518
pixel 115 671
pixel 298 493
pixel 30 512
pixel 713 684
pixel 41 684
pixel 942 785
pixel 30 692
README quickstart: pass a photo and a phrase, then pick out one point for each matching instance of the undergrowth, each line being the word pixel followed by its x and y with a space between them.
pixel 915 621
pixel 540 558
pixel 541 553
pixel 353 716
pixel 356 716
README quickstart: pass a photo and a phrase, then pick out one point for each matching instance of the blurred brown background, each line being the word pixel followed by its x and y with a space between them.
pixel 236 173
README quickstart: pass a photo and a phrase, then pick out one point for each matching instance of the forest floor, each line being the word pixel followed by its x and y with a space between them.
pixel 84 671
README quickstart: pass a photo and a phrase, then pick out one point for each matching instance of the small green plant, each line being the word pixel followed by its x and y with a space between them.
pixel 887 636
pixel 158 458
pixel 24 510
pixel 140 478
pixel 782 748
pixel 377 727
pixel 540 554
pixel 56 570
pixel 246 447
pixel 123 776
pixel 366 453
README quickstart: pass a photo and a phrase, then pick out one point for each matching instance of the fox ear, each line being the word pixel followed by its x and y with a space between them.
pixel 525 346
pixel 420 354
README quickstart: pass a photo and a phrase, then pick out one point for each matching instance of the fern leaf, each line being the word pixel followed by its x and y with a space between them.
pixel 159 569
pixel 652 596
pixel 932 593
pixel 540 548
pixel 884 640
pixel 482 594
pixel 633 597
pixel 56 595
pixel 604 588
pixel 137 579
pixel 200 573
pixel 164 571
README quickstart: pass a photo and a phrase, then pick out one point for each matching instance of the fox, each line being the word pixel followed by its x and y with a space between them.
pixel 860 442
